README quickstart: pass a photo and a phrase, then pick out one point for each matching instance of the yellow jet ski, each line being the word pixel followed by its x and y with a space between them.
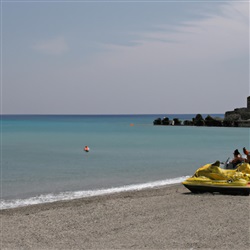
pixel 212 178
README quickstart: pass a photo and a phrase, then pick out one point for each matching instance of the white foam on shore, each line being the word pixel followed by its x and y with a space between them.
pixel 48 198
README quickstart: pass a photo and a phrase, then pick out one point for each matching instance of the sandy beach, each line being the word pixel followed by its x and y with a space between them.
pixel 161 218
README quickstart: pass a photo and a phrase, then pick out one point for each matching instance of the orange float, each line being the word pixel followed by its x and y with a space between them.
pixel 86 149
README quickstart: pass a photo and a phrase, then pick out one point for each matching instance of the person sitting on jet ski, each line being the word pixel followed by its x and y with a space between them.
pixel 237 158
pixel 247 153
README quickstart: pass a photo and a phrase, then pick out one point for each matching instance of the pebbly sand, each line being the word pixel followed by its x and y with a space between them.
pixel 163 218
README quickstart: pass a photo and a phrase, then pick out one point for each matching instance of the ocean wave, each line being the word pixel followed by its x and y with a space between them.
pixel 48 198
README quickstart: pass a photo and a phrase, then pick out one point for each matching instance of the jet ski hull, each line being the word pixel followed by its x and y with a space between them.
pixel 234 190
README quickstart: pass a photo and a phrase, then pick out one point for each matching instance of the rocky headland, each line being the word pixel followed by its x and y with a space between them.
pixel 239 117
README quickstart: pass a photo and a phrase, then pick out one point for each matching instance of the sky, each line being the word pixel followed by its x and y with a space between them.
pixel 124 57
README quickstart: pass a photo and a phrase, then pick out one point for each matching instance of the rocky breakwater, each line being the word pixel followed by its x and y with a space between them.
pixel 198 120
pixel 239 117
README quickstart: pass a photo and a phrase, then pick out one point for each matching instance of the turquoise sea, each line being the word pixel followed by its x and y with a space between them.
pixel 42 156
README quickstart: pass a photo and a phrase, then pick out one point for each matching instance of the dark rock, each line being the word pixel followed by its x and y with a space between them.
pixel 198 120
pixel 243 123
pixel 210 121
pixel 188 123
pixel 165 121
pixel 177 121
pixel 228 123
pixel 157 121
pixel 231 119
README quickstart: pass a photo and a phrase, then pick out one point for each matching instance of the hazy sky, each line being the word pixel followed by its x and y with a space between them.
pixel 124 57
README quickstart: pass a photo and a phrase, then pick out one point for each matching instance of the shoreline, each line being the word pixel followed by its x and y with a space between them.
pixel 72 195
pixel 168 217
pixel 94 198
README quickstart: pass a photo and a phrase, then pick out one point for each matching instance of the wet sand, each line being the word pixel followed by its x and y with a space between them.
pixel 161 218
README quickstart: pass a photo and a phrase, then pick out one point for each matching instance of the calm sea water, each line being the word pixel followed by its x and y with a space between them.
pixel 42 157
